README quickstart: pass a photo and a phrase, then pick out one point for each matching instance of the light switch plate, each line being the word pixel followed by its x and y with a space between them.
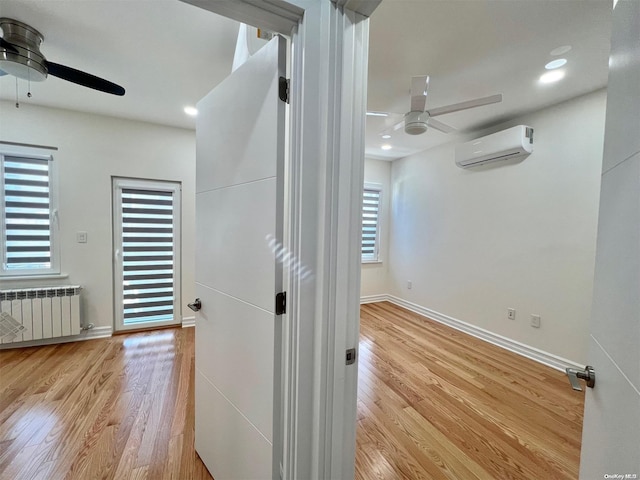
pixel 535 321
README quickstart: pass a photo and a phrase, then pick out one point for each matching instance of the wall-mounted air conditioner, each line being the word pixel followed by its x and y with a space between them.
pixel 515 142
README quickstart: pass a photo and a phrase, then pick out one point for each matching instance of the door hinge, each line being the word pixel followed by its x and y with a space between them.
pixel 351 356
pixel 283 90
pixel 281 303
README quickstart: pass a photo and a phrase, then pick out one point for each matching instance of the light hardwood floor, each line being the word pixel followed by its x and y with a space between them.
pixel 433 404
pixel 118 408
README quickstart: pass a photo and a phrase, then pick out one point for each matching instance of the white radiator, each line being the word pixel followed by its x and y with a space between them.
pixel 38 313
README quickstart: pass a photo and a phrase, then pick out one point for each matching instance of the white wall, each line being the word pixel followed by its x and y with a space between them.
pixel 476 242
pixel 374 275
pixel 92 149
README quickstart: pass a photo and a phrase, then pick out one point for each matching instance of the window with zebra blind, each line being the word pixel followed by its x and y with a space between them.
pixel 147 253
pixel 370 223
pixel 29 214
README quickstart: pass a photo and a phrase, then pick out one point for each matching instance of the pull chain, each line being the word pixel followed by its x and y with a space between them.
pixel 17 102
pixel 29 83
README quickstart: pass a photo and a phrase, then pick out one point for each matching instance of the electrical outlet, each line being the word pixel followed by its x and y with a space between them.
pixel 535 321
pixel 409 284
pixel 511 313
pixel 81 237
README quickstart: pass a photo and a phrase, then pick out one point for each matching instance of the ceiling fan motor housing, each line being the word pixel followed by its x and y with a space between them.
pixel 28 63
pixel 415 123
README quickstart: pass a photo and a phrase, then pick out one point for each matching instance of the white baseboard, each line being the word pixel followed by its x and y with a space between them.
pixel 532 353
pixel 374 298
pixel 97 332
pixel 188 322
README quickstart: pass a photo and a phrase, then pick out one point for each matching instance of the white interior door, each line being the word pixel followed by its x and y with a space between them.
pixel 239 207
pixel 611 431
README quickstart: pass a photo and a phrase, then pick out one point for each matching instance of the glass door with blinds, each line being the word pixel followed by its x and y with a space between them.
pixel 146 253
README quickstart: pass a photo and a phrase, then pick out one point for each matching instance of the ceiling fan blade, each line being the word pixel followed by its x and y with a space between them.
pixel 374 113
pixel 419 86
pixel 438 125
pixel 393 128
pixel 456 107
pixel 8 46
pixel 84 79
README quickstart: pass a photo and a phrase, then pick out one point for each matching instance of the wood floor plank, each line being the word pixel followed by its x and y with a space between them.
pixel 171 468
pixel 129 454
pixel 112 408
pixel 431 396
pixel 433 403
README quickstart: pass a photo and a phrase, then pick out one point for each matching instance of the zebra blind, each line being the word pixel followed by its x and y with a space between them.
pixel 147 255
pixel 370 224
pixel 27 215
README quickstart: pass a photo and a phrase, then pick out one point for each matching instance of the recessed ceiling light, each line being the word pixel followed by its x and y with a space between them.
pixel 386 146
pixel 191 111
pixel 555 64
pixel 386 136
pixel 552 76
pixel 560 50
pixel 377 114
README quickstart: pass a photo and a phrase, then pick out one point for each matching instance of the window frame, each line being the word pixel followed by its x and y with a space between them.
pixel 37 153
pixel 372 187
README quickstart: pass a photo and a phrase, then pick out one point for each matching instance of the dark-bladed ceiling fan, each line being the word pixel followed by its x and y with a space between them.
pixel 418 119
pixel 20 56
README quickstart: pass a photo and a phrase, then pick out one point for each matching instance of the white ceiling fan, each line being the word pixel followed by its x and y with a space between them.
pixel 418 119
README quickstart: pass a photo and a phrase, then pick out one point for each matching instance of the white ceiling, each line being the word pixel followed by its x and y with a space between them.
pixel 168 54
pixel 477 48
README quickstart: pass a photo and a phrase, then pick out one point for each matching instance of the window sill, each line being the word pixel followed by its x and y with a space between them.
pixel 369 262
pixel 34 277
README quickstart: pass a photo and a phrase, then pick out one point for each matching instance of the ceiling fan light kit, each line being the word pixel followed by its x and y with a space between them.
pixel 24 60
pixel 415 123
pixel 20 57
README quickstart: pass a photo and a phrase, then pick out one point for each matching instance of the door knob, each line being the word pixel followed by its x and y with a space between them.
pixel 588 375
pixel 195 306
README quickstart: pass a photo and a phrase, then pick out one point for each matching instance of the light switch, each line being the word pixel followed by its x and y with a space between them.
pixel 535 321
pixel 81 237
